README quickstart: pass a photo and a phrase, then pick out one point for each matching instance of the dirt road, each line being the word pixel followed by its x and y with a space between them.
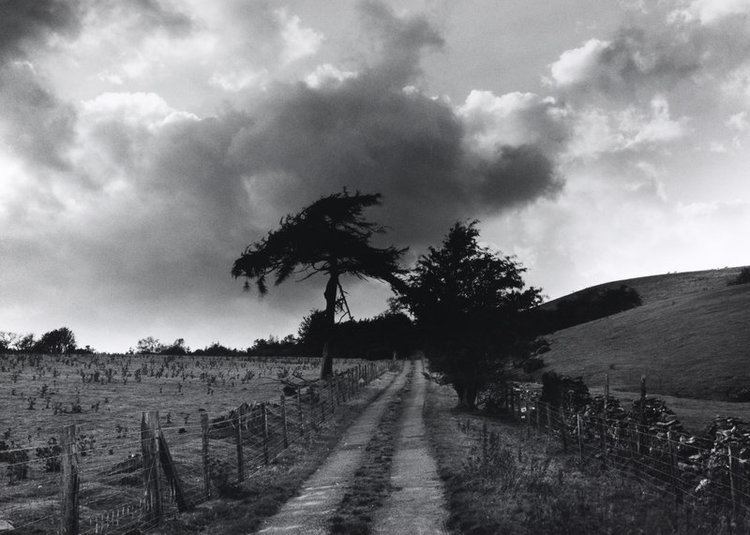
pixel 415 506
pixel 309 512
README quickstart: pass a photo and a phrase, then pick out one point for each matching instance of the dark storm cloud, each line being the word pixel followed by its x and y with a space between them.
pixel 367 133
pixel 146 15
pixel 37 124
pixel 25 23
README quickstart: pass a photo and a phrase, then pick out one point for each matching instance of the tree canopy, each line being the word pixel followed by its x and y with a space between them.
pixel 467 300
pixel 332 237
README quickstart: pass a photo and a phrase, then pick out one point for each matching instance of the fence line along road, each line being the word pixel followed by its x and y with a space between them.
pixel 177 467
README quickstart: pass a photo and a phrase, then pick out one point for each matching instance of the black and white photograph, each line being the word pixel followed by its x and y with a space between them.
pixel 374 267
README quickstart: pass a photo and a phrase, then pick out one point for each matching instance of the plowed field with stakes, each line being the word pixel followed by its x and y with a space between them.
pixel 105 396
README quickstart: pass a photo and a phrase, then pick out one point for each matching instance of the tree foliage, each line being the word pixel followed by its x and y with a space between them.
pixel 467 302
pixel 370 338
pixel 59 340
pixel 332 237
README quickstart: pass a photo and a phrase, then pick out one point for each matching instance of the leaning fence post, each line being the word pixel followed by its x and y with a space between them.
pixel 579 432
pixel 238 440
pixel 70 482
pixel 264 424
pixel 150 454
pixel 284 431
pixel 204 456
pixel 170 470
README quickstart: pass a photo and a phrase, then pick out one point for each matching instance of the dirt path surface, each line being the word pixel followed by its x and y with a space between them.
pixel 308 513
pixel 417 504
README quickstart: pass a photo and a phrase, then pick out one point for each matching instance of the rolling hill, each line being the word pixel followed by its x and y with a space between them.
pixel 691 338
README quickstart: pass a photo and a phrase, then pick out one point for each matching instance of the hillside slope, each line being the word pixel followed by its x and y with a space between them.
pixel 691 338
pixel 667 286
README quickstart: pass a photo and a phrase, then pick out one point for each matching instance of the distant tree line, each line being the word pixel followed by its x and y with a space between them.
pixel 583 307
pixel 60 340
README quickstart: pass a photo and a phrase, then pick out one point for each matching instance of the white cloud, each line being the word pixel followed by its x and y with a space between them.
pixel 492 121
pixel 578 64
pixel 710 11
pixel 598 131
pixel 147 109
pixel 234 81
pixel 738 121
pixel 327 74
pixel 654 129
pixel 299 42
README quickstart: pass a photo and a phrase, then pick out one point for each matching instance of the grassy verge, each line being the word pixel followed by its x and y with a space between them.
pixel 371 484
pixel 512 480
pixel 265 491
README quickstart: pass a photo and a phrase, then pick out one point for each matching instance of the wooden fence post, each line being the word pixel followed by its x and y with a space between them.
pixel 170 470
pixel 606 392
pixel 311 409
pixel 238 440
pixel 284 430
pixel 579 432
pixel 204 456
pixel 673 467
pixel 512 407
pixel 302 428
pixel 563 428
pixel 538 411
pixel 642 418
pixel 732 482
pixel 549 417
pixel 264 424
pixel 150 454
pixel 70 482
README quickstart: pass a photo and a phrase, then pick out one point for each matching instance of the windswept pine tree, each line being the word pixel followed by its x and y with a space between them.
pixel 329 237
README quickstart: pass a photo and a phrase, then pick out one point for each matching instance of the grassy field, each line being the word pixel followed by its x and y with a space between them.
pixel 519 481
pixel 691 338
pixel 104 395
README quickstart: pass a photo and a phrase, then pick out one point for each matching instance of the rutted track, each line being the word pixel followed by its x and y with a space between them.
pixel 309 512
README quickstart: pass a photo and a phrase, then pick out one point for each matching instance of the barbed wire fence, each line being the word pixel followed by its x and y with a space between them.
pixel 135 483
pixel 712 471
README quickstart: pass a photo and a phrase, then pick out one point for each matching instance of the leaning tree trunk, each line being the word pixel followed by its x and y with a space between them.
pixel 326 369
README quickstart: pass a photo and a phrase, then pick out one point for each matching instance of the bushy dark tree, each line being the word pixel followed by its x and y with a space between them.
pixel 330 237
pixel 584 306
pixel 313 332
pixel 274 347
pixel 178 347
pixel 149 346
pixel 59 340
pixel 7 340
pixel 216 349
pixel 743 277
pixel 370 338
pixel 25 343
pixel 467 302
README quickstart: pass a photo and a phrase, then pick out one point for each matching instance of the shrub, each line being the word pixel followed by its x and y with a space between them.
pixel 561 390
pixel 50 455
pixel 533 364
pixel 742 278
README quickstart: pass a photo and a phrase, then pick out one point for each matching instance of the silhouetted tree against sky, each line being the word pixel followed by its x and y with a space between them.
pixel 467 302
pixel 330 237
pixel 59 340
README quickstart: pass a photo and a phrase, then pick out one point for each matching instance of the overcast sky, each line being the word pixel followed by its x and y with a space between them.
pixel 144 144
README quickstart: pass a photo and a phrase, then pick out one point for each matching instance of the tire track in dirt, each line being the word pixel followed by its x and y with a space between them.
pixel 417 505
pixel 309 512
